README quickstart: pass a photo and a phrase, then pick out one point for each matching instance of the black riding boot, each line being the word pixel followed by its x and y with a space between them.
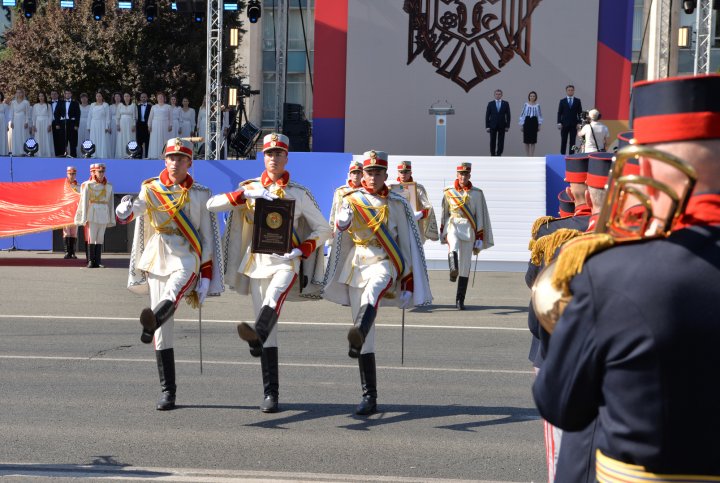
pixel 271 383
pixel 453 263
pixel 368 404
pixel 166 370
pixel 256 336
pixel 151 319
pixel 66 241
pixel 98 256
pixel 90 251
pixel 71 246
pixel 363 323
pixel 461 289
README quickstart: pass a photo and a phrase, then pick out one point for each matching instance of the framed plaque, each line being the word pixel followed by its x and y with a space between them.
pixel 409 192
pixel 272 231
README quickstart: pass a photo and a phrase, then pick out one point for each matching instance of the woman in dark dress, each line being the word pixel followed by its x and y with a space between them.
pixel 530 121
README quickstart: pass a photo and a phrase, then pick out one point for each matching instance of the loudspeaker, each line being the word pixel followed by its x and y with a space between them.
pixel 293 112
pixel 243 140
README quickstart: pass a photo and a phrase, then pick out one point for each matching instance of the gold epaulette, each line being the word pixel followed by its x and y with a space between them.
pixel 543 220
pixel 544 249
pixel 248 181
pixel 351 192
pixel 149 180
pixel 573 256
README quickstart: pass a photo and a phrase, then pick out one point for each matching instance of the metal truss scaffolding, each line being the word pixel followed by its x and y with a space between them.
pixel 213 80
pixel 703 23
pixel 280 17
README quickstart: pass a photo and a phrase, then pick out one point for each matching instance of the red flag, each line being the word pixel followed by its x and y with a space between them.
pixel 36 206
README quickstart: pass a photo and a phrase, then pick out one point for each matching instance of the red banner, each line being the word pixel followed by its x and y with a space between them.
pixel 36 206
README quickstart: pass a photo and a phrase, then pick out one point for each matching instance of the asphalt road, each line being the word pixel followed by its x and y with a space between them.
pixel 78 389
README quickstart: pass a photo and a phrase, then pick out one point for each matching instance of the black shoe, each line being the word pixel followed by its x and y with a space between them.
pixel 151 319
pixel 453 265
pixel 269 404
pixel 367 406
pixel 166 402
pixel 146 337
pixel 249 335
pixel 363 323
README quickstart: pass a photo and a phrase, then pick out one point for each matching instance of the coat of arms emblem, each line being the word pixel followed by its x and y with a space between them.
pixel 468 41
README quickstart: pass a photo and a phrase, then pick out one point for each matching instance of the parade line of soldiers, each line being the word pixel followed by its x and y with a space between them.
pixel 625 283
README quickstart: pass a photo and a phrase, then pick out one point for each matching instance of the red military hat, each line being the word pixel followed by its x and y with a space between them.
pixel 179 146
pixel 677 109
pixel 355 166
pixel 71 169
pixel 576 167
pixel 276 141
pixel 598 169
pixel 404 166
pixel 375 159
pixel 464 168
pixel 625 139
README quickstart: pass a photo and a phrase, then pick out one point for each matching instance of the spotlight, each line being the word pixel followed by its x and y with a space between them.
pixel 151 10
pixel 198 17
pixel 29 8
pixel 253 11
pixel 98 9
pixel 133 150
pixel 124 5
pixel 30 147
pixel 689 6
pixel 87 148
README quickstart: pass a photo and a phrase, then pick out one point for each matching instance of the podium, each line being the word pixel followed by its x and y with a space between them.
pixel 441 113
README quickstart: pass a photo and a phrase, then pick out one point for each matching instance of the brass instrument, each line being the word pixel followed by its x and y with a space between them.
pixel 635 208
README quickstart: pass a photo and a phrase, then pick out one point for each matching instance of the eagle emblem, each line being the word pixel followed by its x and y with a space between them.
pixel 468 41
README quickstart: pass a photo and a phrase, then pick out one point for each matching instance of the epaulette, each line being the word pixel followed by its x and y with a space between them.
pixel 448 188
pixel 200 187
pixel 247 181
pixel 544 248
pixel 351 192
pixel 573 256
pixel 543 220
pixel 150 180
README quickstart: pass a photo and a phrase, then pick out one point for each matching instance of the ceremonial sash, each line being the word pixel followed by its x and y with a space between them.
pixel 456 199
pixel 168 201
pixel 367 212
pixel 609 470
pixel 295 238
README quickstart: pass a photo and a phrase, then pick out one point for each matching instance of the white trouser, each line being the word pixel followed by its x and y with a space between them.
pixel 95 232
pixel 169 287
pixel 464 250
pixel 271 292
pixel 70 231
pixel 370 294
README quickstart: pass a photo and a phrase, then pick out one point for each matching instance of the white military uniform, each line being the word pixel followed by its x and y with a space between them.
pixel 266 278
pixel 340 191
pixel 362 272
pixel 427 224
pixel 465 219
pixel 95 210
pixel 165 261
pixel 70 231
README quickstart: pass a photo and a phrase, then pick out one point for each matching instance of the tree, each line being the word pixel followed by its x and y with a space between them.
pixel 59 48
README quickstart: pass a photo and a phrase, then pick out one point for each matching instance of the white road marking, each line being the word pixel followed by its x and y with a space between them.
pixel 138 473
pixel 31 357
pixel 286 322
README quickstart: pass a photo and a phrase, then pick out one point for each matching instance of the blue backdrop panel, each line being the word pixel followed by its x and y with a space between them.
pixel 554 182
pixel 321 172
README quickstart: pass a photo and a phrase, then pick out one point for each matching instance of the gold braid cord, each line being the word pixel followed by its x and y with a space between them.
pixel 573 256
pixel 373 225
pixel 175 205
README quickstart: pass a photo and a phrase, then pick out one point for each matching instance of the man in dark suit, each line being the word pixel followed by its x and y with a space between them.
pixel 568 118
pixel 67 116
pixel 497 123
pixel 142 135
pixel 58 132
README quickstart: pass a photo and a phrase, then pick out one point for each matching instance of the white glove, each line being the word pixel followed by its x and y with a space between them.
pixel 259 193
pixel 478 245
pixel 124 209
pixel 295 253
pixel 202 289
pixel 345 216
pixel 406 299
pixel 418 215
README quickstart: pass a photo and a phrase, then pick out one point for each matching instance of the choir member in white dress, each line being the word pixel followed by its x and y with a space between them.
pixel 187 119
pixel 175 114
pixel 125 119
pixel 20 114
pixel 84 115
pixel 160 127
pixel 42 127
pixel 117 101
pixel 4 121
pixel 99 126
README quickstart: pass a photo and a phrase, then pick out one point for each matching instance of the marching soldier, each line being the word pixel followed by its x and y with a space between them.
pixel 426 215
pixel 353 182
pixel 465 228
pixel 636 346
pixel 95 211
pixel 70 231
pixel 270 278
pixel 174 254
pixel 377 255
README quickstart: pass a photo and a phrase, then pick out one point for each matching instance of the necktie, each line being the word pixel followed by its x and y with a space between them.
pixel 497 103
pixel 570 101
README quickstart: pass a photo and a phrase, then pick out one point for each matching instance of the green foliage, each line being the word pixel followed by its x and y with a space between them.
pixel 59 48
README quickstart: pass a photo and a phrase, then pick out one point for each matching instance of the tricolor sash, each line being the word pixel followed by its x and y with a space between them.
pixel 295 238
pixel 173 207
pixel 457 200
pixel 368 213
pixel 609 470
